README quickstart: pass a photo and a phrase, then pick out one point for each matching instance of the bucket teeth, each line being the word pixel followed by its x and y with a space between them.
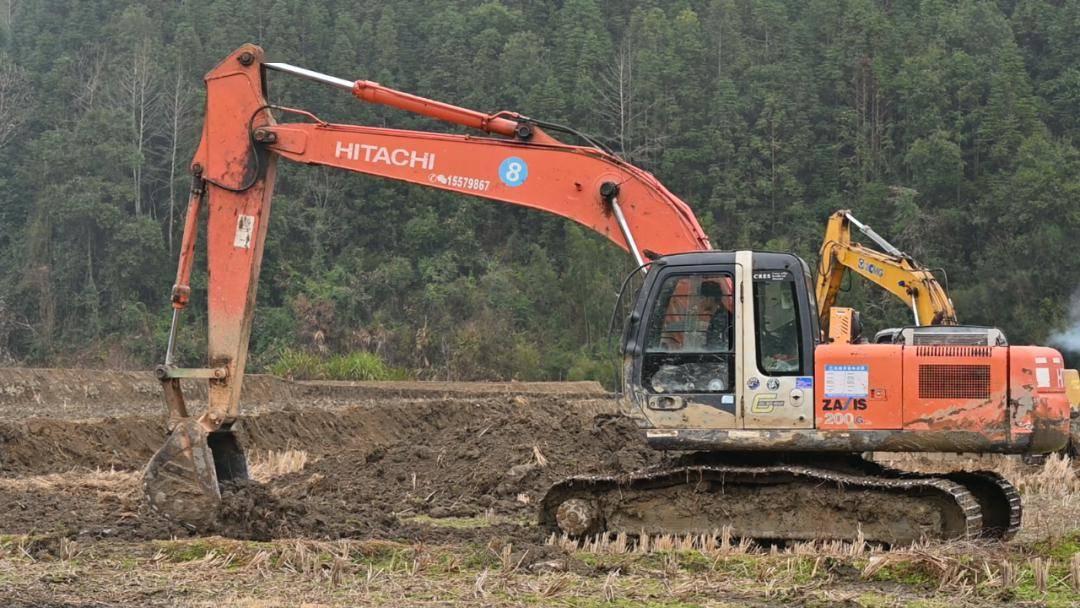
pixel 181 480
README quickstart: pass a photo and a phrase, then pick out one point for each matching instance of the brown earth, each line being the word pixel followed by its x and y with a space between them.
pixel 84 393
pixel 371 466
pixel 374 464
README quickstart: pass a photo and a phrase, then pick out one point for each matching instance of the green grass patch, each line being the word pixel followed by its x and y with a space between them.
pixel 1055 597
pixel 1060 550
pixel 188 550
pixel 803 570
pixel 382 555
pixel 478 557
pixel 688 561
pixel 912 574
pixel 873 600
pixel 356 366
pixel 595 602
pixel 1058 591
pixel 930 603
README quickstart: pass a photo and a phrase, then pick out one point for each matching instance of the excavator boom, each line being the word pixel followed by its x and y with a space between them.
pixel 233 179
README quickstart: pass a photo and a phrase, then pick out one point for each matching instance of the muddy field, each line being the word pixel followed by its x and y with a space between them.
pixel 425 493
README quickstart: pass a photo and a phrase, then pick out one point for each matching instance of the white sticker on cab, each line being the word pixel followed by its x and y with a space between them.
pixel 847 381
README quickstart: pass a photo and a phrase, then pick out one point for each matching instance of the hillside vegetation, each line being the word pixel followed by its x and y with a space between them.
pixel 951 127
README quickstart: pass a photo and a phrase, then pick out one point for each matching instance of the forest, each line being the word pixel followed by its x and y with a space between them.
pixel 951 127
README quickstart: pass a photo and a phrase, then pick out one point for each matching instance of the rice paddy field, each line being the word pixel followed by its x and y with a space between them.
pixel 425 494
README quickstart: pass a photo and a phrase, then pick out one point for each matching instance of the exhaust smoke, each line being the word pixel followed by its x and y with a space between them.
pixel 1068 338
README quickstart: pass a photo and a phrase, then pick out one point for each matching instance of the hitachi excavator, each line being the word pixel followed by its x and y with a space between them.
pixel 722 352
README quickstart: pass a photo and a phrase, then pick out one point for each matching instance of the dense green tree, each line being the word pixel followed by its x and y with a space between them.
pixel 950 126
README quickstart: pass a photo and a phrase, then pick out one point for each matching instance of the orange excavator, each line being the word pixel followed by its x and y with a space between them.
pixel 722 352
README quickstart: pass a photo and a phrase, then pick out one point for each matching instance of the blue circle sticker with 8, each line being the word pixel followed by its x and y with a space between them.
pixel 513 171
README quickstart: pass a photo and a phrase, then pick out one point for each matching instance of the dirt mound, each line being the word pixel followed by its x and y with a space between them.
pixel 45 445
pixel 99 505
pixel 500 463
pixel 373 471
pixel 87 393
pixel 48 445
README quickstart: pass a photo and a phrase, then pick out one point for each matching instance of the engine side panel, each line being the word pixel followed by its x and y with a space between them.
pixel 858 387
pixel 1010 399
pixel 952 387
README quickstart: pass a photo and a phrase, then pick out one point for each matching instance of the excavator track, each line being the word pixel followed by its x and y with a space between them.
pixel 768 502
pixel 999 500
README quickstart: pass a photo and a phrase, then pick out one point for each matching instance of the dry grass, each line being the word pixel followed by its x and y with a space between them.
pixel 1057 476
pixel 101 480
pixel 1051 495
pixel 718 543
pixel 675 570
pixel 264 466
pixel 1051 491
pixel 1041 568
pixel 541 460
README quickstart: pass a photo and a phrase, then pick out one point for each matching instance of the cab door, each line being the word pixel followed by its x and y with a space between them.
pixel 775 344
pixel 685 349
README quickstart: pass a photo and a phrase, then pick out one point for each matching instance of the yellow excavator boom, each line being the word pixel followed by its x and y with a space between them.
pixel 890 268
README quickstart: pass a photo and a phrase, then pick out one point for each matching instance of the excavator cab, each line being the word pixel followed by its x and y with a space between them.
pixel 711 330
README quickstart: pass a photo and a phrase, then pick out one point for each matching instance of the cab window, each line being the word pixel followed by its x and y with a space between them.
pixel 690 336
pixel 776 316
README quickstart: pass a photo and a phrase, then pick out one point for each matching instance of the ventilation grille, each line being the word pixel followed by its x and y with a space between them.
pixel 952 351
pixel 928 335
pixel 954 381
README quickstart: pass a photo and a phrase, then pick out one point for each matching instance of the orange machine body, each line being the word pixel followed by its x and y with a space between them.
pixel 983 398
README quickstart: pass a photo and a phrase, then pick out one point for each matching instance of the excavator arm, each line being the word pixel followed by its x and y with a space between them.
pixel 517 163
pixel 890 269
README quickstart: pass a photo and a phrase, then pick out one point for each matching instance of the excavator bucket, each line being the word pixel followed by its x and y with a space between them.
pixel 183 478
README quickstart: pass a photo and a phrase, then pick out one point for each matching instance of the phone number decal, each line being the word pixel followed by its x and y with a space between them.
pixel 460 181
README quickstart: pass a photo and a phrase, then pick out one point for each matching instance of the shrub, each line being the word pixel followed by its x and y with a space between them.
pixel 360 366
pixel 295 364
pixel 300 365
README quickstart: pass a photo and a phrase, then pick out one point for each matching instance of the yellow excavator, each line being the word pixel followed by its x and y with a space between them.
pixel 890 269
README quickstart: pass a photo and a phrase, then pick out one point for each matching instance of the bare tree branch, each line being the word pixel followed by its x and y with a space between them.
pixel 90 75
pixel 137 91
pixel 178 110
pixel 15 96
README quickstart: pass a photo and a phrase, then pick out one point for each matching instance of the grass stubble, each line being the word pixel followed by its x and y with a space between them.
pixel 1039 568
